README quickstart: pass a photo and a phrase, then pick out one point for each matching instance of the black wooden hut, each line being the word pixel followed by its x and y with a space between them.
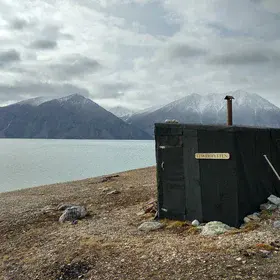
pixel 215 172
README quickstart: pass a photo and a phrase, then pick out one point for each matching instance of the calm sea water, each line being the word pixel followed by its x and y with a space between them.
pixel 32 162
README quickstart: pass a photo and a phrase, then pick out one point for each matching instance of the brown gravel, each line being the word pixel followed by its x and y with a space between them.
pixel 108 245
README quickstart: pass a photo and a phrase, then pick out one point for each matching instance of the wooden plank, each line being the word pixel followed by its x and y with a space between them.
pixel 192 176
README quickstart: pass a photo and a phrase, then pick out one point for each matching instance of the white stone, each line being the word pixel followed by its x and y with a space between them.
pixel 253 217
pixel 150 226
pixel 274 199
pixel 215 228
pixel 246 220
pixel 195 223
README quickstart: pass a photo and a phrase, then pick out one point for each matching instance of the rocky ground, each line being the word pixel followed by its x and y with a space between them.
pixel 107 244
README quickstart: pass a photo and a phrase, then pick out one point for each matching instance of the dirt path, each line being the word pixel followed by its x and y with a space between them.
pixel 107 243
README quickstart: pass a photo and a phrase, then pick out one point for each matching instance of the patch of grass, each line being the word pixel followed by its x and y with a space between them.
pixel 175 224
pixel 250 226
pixel 266 247
pixel 193 230
pixel 247 228
pixel 266 214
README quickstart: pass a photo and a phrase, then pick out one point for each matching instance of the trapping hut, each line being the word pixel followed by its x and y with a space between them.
pixel 220 173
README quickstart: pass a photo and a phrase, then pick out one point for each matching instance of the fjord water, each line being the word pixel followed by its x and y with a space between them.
pixel 34 162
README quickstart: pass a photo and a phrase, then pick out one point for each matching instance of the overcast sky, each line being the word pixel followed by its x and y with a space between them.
pixel 138 52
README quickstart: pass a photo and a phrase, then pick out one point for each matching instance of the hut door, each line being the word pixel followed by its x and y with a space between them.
pixel 173 204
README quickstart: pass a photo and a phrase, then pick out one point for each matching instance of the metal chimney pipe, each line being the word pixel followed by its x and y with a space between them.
pixel 229 109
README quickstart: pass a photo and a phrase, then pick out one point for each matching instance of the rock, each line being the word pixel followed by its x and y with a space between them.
pixel 274 199
pixel 268 206
pixel 246 220
pixel 276 224
pixel 195 223
pixel 239 259
pixel 150 226
pixel 113 192
pixel 73 213
pixel 48 209
pixel 254 217
pixel 171 121
pixel 63 207
pixel 141 213
pixel 215 228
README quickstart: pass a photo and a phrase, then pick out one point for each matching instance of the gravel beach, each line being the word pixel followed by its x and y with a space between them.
pixel 107 243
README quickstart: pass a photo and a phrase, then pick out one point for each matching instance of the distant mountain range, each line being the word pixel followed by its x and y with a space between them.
pixel 77 117
pixel 70 117
pixel 248 109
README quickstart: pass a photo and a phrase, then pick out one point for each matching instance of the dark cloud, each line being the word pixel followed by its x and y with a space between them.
pixel 9 56
pixel 183 51
pixel 20 89
pixel 245 58
pixel 74 66
pixel 19 24
pixel 43 44
pixel 54 32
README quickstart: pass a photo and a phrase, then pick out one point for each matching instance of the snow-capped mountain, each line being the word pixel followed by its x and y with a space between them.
pixel 121 112
pixel 248 109
pixel 73 116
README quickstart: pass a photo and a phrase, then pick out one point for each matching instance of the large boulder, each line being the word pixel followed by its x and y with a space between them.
pixel 215 228
pixel 73 213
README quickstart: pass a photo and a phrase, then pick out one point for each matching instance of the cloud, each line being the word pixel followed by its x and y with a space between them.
pixel 140 52
pixel 74 66
pixel 241 58
pixel 8 57
pixel 23 90
pixel 43 44
pixel 184 51
pixel 19 23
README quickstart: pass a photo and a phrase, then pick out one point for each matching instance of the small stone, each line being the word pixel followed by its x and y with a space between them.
pixel 141 213
pixel 195 223
pixel 274 199
pixel 63 207
pixel 113 192
pixel 246 220
pixel 73 213
pixel 276 224
pixel 239 259
pixel 253 217
pixel 123 260
pixel 150 226
pixel 48 209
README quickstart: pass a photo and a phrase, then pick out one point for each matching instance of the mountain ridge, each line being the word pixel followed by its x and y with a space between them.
pixel 249 109
pixel 69 117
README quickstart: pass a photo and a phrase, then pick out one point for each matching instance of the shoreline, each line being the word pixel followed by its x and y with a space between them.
pixel 77 180
pixel 107 243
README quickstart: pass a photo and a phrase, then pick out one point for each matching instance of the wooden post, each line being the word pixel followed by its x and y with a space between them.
pixel 229 109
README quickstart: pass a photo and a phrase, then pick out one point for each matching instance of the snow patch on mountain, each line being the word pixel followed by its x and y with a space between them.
pixel 75 99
